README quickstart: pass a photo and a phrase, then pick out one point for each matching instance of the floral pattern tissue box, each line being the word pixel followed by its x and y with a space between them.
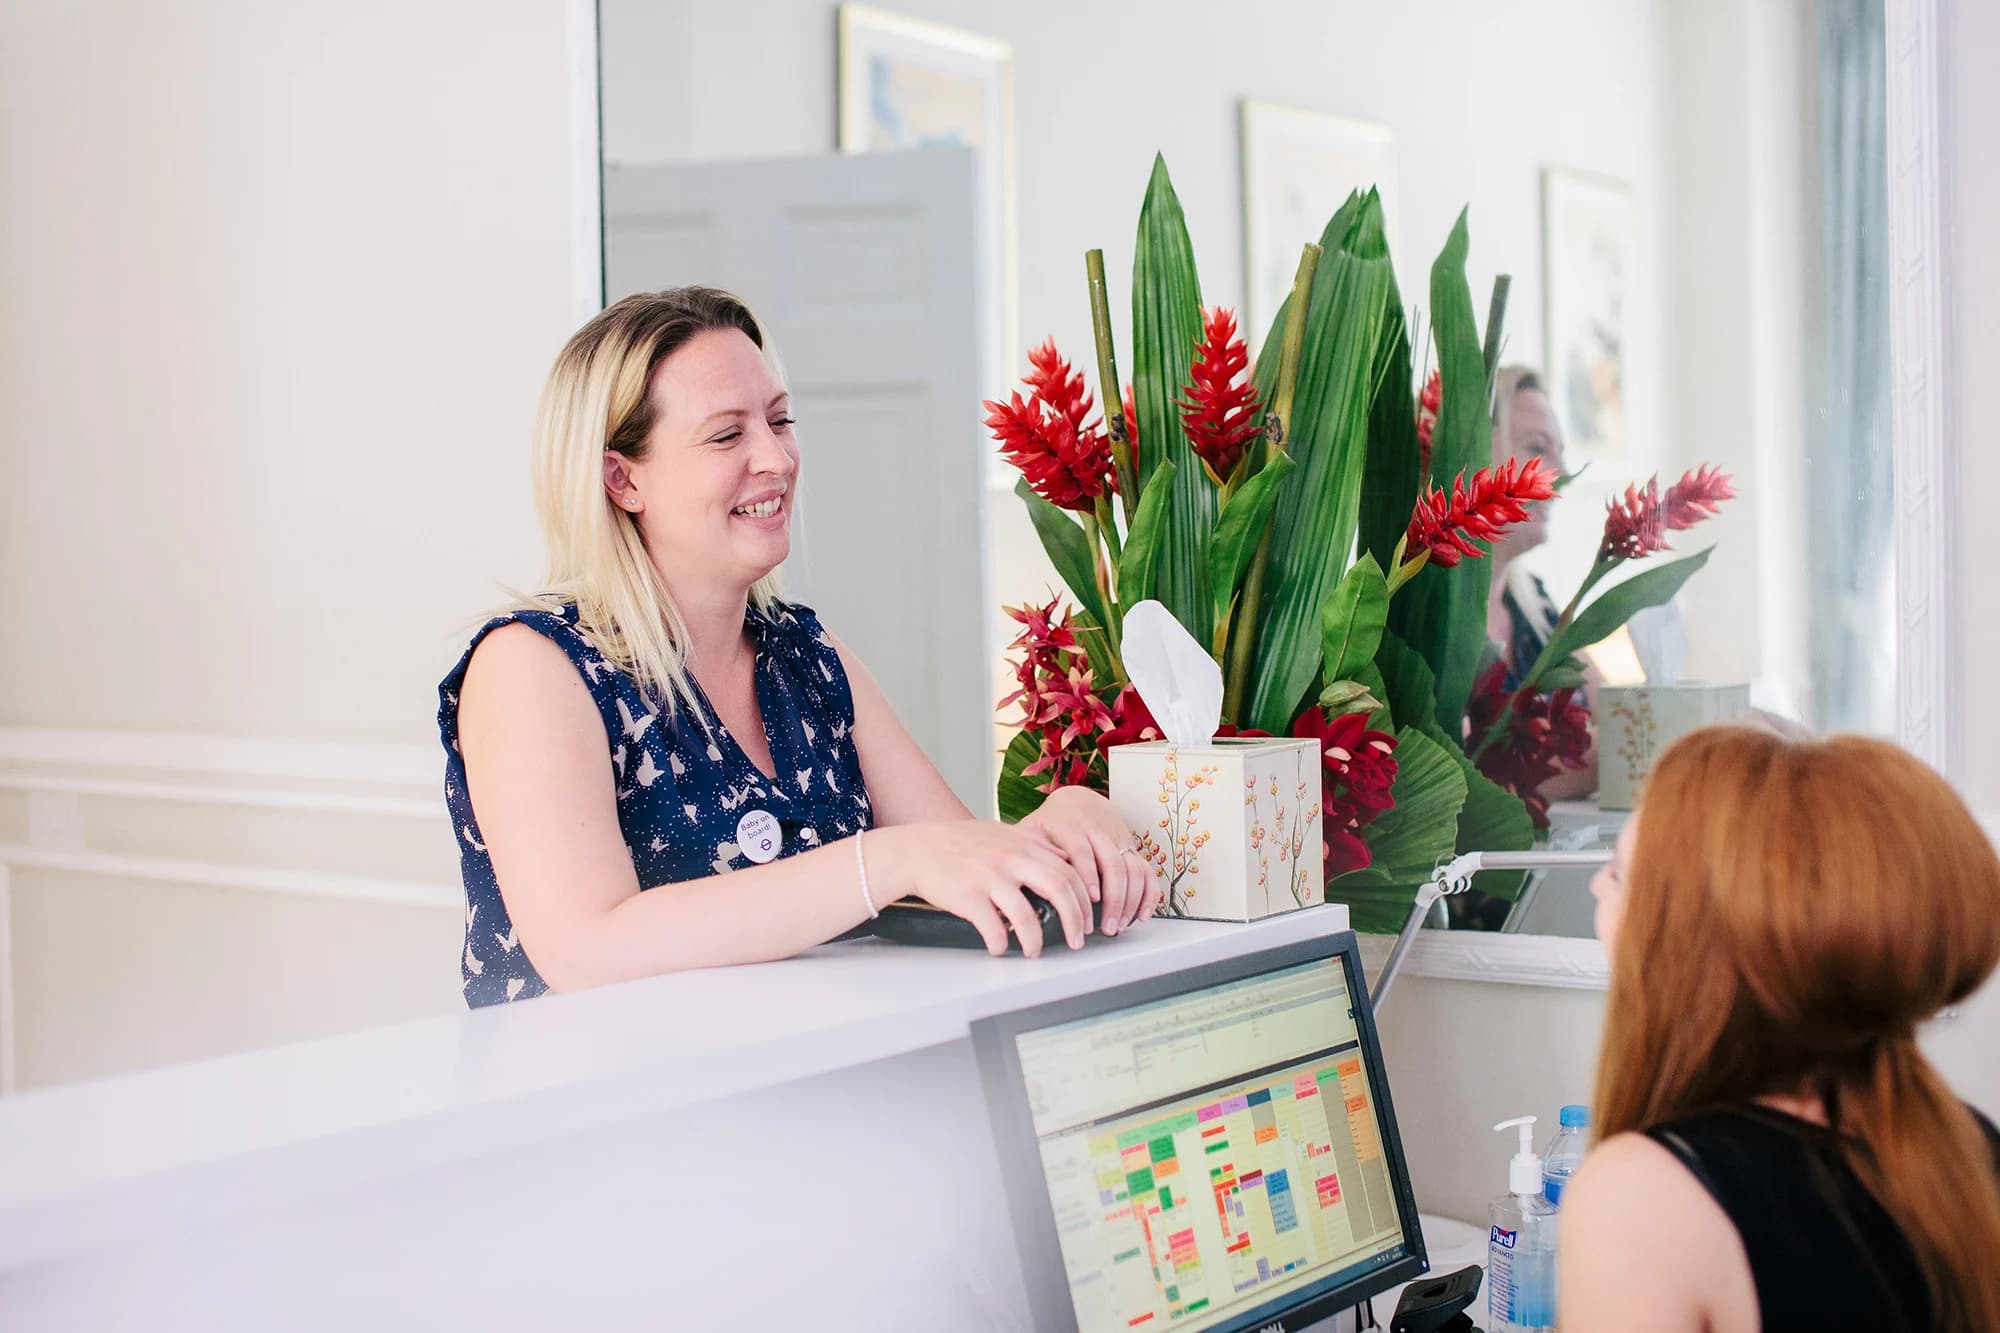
pixel 1636 723
pixel 1231 828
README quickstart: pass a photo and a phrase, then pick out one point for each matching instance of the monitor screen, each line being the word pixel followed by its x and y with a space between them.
pixel 1215 1153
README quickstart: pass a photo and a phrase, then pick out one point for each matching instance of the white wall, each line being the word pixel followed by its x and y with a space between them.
pixel 278 286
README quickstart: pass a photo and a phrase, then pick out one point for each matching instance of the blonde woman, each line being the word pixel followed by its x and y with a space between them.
pixel 666 717
pixel 1778 1154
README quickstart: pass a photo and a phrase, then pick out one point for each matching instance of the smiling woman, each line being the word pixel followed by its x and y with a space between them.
pixel 660 716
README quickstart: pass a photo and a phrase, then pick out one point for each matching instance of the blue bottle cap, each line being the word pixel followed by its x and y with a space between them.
pixel 1574 1117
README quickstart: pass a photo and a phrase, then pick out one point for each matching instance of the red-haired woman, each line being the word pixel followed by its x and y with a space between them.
pixel 1776 1152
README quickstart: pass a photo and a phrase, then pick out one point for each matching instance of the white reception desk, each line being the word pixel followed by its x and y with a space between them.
pixel 796 1144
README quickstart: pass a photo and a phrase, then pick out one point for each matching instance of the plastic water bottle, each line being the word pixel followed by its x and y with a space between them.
pixel 1521 1246
pixel 1565 1152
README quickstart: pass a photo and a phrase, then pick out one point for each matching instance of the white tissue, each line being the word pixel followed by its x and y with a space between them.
pixel 1659 637
pixel 1179 681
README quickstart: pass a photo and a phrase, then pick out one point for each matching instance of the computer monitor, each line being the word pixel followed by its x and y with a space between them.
pixel 1209 1150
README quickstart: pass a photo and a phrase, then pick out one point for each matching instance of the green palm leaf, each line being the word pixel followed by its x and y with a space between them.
pixel 1313 527
pixel 1166 325
pixel 1442 612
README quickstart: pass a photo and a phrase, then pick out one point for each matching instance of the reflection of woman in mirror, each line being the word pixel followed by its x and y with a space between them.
pixel 1778 1153
pixel 1520 614
pixel 661 716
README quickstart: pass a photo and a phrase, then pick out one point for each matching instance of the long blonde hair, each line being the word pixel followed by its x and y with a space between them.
pixel 596 400
pixel 1794 909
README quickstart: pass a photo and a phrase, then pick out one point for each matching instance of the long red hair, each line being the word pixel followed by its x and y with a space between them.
pixel 1792 911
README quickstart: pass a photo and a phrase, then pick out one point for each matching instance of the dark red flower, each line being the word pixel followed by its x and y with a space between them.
pixel 1131 722
pixel 1064 454
pixel 1357 775
pixel 1429 403
pixel 1241 733
pixel 1344 852
pixel 1546 734
pixel 1449 526
pixel 1220 414
pixel 1060 704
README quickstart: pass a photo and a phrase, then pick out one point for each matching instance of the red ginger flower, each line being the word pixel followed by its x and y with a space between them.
pixel 1131 424
pixel 1065 456
pixel 1446 526
pixel 1695 496
pixel 1636 523
pixel 1546 734
pixel 1059 700
pixel 1357 772
pixel 1429 403
pixel 1220 415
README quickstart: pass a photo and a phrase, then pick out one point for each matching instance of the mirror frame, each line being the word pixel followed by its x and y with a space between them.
pixel 1929 670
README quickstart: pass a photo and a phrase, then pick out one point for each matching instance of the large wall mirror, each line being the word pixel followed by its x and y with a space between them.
pixel 1691 200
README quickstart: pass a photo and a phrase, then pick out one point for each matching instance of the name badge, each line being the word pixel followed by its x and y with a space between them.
pixel 759 837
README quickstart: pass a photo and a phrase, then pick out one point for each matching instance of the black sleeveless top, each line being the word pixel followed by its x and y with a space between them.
pixel 1825 1256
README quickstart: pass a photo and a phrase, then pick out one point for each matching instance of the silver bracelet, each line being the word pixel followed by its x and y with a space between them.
pixel 862 866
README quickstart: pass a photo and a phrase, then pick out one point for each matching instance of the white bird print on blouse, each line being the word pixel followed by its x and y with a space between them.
pixel 472 838
pixel 832 780
pixel 805 779
pixel 649 772
pixel 634 727
pixel 472 963
pixel 658 843
pixel 692 811
pixel 840 731
pixel 807 727
pixel 514 985
pixel 674 762
pixel 714 753
pixel 511 940
pixel 593 665
pixel 618 760
pixel 725 852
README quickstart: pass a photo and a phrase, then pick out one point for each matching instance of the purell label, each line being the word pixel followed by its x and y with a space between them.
pixel 1503 1238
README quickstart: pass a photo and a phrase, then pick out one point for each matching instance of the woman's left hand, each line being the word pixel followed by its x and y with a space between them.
pixel 1082 826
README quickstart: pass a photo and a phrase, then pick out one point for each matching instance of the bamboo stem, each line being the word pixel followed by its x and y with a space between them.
pixel 1277 438
pixel 1109 530
pixel 1110 389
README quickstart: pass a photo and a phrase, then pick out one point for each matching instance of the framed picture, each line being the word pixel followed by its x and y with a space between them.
pixel 1587 271
pixel 1298 167
pixel 907 83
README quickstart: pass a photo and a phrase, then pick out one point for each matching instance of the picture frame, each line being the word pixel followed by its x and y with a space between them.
pixel 1589 245
pixel 1298 168
pixel 907 83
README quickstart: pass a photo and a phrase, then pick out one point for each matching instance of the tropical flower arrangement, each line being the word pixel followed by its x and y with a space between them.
pixel 1320 523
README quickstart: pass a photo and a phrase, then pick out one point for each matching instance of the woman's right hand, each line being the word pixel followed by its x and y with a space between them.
pixel 977 869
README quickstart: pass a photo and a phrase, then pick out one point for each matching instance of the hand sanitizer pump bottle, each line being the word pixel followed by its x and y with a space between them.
pixel 1521 1247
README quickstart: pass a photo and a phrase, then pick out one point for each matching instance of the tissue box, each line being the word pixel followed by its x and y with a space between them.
pixel 1231 829
pixel 1636 723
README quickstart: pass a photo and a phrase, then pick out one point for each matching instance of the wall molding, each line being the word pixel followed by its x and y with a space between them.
pixel 1929 665
pixel 1521 960
pixel 58 771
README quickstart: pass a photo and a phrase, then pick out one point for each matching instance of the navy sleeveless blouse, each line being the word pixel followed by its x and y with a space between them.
pixel 682 789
